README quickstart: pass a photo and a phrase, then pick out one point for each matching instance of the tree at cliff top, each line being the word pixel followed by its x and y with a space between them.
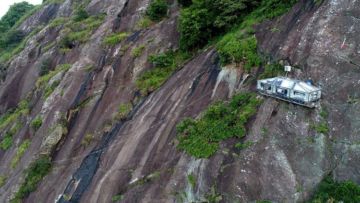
pixel 15 12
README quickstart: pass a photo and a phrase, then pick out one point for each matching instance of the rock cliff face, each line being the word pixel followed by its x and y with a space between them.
pixel 137 156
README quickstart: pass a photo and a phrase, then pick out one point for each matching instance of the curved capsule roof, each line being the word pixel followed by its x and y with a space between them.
pixel 288 83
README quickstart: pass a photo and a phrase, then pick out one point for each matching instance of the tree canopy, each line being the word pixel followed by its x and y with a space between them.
pixel 15 12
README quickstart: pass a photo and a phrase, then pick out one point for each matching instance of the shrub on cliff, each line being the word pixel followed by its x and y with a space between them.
pixel 332 191
pixel 157 10
pixel 34 174
pixel 223 120
pixel 208 18
pixel 15 12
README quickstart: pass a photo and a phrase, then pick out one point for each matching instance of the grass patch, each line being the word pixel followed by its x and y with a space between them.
pixel 20 152
pixel 157 10
pixel 137 51
pixel 232 49
pixel 144 23
pixel 164 65
pixel 44 80
pixel 244 145
pixel 115 38
pixel 7 142
pixel 79 32
pixel 88 138
pixel 33 175
pixel 192 180
pixel 321 127
pixel 222 120
pixel 58 21
pixel 123 111
pixel 332 191
pixel 272 70
pixel 117 198
pixel 12 115
pixel 36 123
pixel 2 180
pixel 240 45
pixel 324 113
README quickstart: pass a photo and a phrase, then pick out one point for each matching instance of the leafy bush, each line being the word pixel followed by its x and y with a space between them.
pixel 2 180
pixel 321 127
pixel 185 3
pixel 164 65
pixel 137 51
pixel 115 38
pixel 117 198
pixel 208 18
pixel 144 23
pixel 19 153
pixel 11 116
pixel 36 123
pixel 34 174
pixel 221 121
pixel 157 10
pixel 7 142
pixel 192 180
pixel 234 50
pixel 240 46
pixel 43 80
pixel 123 111
pixel 14 14
pixel 272 70
pixel 45 67
pixel 332 191
pixel 78 32
pixel 80 15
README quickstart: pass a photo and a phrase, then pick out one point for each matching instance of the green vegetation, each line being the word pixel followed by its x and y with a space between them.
pixel 36 123
pixel 115 38
pixel 213 196
pixel 324 113
pixel 321 127
pixel 185 3
pixel 272 70
pixel 143 23
pixel 332 191
pixel 45 67
pixel 58 21
pixel 239 45
pixel 164 65
pixel 192 180
pixel 2 180
pixel 80 15
pixel 117 198
pixel 157 10
pixel 19 153
pixel 123 111
pixel 244 145
pixel 221 121
pixel 79 30
pixel 137 51
pixel 205 19
pixel 7 142
pixel 12 115
pixel 33 175
pixel 244 52
pixel 43 80
pixel 88 138
pixel 12 40
pixel 14 14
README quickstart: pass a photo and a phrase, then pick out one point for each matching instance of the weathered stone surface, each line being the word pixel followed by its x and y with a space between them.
pixel 138 157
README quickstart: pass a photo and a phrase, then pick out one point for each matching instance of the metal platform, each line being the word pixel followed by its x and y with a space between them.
pixel 310 105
